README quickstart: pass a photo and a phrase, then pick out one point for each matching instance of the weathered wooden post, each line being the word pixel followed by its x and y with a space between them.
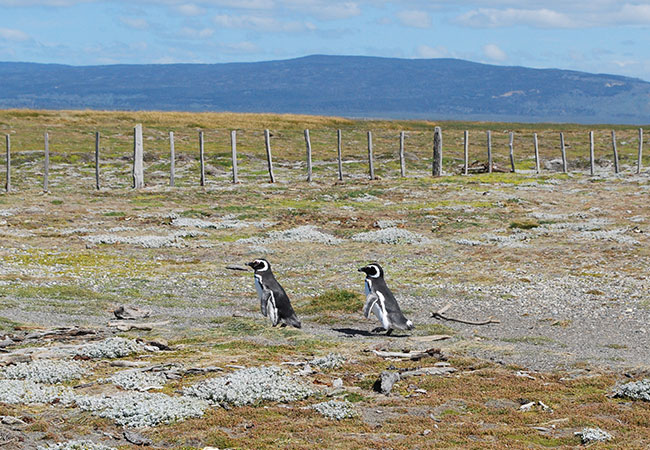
pixel 616 168
pixel 511 146
pixel 536 152
pixel 563 150
pixel 138 151
pixel 97 137
pixel 202 158
pixel 172 160
pixel 466 152
pixel 233 147
pixel 489 150
pixel 46 163
pixel 402 165
pixel 339 138
pixel 8 179
pixel 269 160
pixel 436 169
pixel 371 166
pixel 638 161
pixel 308 144
pixel 592 163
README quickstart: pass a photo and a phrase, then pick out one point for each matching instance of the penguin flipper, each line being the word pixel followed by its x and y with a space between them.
pixel 371 300
pixel 272 309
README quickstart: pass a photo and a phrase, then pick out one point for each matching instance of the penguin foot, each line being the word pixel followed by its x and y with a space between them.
pixel 389 331
pixel 282 325
pixel 378 330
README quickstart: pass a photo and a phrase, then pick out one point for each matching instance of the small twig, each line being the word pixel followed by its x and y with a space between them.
pixel 243 269
pixel 440 316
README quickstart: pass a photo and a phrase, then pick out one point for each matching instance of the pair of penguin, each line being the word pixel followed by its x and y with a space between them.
pixel 380 300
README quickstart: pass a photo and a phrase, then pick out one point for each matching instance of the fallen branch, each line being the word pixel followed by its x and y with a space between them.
pixel 123 325
pixel 440 316
pixel 413 356
pixel 233 267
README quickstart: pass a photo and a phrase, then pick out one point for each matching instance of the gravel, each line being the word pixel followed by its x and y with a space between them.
pixel 115 347
pixel 331 361
pixel 27 392
pixel 335 410
pixel 45 371
pixel 637 390
pixel 136 380
pixel 391 236
pixel 305 233
pixel 141 409
pixel 76 445
pixel 250 386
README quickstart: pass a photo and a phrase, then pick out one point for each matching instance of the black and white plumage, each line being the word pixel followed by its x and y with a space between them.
pixel 381 301
pixel 274 301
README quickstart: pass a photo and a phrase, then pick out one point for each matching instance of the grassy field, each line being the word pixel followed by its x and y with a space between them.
pixel 561 260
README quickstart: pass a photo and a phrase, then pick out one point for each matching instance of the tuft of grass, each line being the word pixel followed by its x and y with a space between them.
pixel 335 300
pixel 524 224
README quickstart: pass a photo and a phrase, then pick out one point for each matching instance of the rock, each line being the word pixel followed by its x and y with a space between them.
pixel 385 382
pixel 553 164
pixel 590 435
pixel 337 383
pixel 6 343
pixel 501 403
pixel 160 344
pixel 136 438
pixel 131 313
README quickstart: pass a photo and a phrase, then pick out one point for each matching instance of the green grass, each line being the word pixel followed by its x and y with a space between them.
pixel 336 300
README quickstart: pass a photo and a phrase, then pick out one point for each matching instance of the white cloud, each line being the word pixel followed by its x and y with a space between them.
pixel 324 9
pixel 415 19
pixel 25 3
pixel 494 18
pixel 135 23
pixel 193 33
pixel 493 52
pixel 425 51
pixel 9 34
pixel 262 23
pixel 190 9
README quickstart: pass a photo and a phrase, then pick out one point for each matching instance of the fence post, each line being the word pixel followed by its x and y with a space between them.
pixel 269 160
pixel 402 164
pixel 511 146
pixel 563 150
pixel 172 160
pixel 466 152
pixel 616 168
pixel 233 147
pixel 638 161
pixel 138 150
pixel 8 180
pixel 308 144
pixel 536 152
pixel 437 152
pixel 591 153
pixel 202 158
pixel 97 137
pixel 46 164
pixel 371 165
pixel 489 150
pixel 339 138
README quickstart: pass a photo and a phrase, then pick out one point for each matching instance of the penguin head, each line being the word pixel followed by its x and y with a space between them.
pixel 373 270
pixel 259 265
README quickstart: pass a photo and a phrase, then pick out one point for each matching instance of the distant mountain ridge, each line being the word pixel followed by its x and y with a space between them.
pixel 352 86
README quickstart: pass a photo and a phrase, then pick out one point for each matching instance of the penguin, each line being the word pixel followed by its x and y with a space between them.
pixel 381 301
pixel 274 301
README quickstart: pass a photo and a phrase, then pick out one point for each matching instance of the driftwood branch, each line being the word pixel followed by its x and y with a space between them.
pixel 440 316
pixel 233 267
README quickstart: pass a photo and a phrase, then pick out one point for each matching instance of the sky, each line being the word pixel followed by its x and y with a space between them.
pixel 601 36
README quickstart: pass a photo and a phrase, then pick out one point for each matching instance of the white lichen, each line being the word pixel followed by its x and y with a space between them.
pixel 45 371
pixel 335 410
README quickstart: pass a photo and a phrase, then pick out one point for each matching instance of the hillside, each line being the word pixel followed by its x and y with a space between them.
pixel 335 85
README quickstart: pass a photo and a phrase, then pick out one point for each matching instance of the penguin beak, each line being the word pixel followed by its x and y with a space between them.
pixel 250 264
pixel 362 269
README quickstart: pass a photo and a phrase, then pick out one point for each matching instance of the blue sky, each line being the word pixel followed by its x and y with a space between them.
pixel 602 36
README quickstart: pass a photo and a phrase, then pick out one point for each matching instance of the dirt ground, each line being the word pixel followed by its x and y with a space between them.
pixel 561 261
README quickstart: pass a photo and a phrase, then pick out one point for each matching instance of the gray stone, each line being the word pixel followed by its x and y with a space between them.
pixel 385 382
